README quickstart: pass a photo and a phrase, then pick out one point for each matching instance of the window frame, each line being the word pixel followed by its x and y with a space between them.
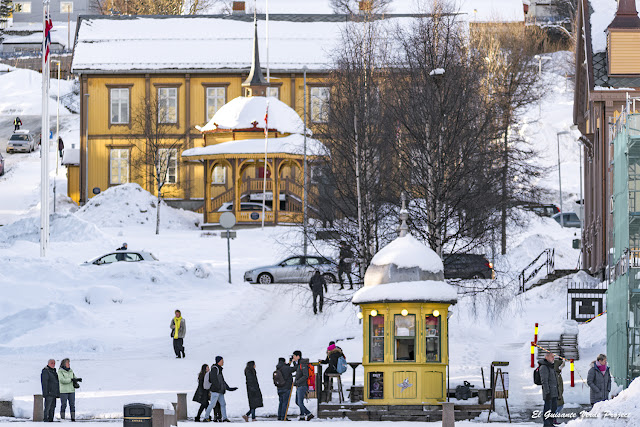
pixel 67 2
pixel 371 338
pixel 277 88
pixel 110 87
pixel 159 87
pixel 311 99
pixel 206 86
pixel 438 337
pixel 22 4
pixel 404 338
pixel 128 166
pixel 174 159
pixel 224 175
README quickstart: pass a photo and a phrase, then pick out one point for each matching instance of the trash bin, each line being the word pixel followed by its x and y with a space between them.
pixel 137 415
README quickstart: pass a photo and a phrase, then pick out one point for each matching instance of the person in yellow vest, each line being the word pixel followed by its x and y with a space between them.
pixel 178 331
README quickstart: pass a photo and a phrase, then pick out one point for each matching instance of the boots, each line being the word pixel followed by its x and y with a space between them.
pixel 62 415
pixel 73 416
pixel 183 353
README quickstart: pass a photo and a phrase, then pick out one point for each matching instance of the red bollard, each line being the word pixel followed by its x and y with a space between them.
pixel 533 353
pixel 572 374
pixel 535 336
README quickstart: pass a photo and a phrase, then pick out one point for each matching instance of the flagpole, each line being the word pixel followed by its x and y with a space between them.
pixel 267 31
pixel 264 174
pixel 44 133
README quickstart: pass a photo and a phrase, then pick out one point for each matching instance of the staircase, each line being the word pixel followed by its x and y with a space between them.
pixel 543 262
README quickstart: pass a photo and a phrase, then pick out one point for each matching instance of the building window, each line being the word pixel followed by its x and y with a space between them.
pixel 216 97
pixel 319 104
pixel 376 338
pixel 168 164
pixel 274 92
pixel 167 105
pixel 66 7
pixel 219 175
pixel 432 335
pixel 405 337
pixel 22 7
pixel 119 106
pixel 119 165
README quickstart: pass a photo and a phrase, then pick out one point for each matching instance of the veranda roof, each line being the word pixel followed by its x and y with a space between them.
pixel 291 145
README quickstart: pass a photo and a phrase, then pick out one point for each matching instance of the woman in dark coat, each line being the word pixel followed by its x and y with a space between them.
pixel 253 391
pixel 202 393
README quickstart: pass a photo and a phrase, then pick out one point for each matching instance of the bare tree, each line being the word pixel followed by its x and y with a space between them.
pixel 355 6
pixel 139 7
pixel 157 147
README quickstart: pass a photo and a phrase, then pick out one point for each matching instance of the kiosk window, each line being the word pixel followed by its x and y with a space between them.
pixel 405 337
pixel 432 335
pixel 376 338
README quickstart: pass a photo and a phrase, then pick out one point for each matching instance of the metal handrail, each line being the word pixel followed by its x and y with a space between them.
pixel 549 262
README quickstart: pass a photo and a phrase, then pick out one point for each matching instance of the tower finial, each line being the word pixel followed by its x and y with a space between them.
pixel 255 81
pixel 403 230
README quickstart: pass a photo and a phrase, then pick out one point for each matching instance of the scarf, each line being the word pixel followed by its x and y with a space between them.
pixel 66 369
pixel 176 321
pixel 601 367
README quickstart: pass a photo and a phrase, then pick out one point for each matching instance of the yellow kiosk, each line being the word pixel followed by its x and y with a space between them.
pixel 405 306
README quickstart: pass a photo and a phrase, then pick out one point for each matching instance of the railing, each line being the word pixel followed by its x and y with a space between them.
pixel 220 199
pixel 545 259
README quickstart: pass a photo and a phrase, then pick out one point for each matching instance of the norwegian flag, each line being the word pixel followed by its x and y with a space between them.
pixel 266 122
pixel 48 26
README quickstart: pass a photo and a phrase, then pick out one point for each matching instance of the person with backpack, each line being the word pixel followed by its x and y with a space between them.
pixel 302 376
pixel 202 394
pixel 549 382
pixel 17 123
pixel 318 286
pixel 218 388
pixel 283 380
pixel 253 391
pixel 335 357
pixel 599 380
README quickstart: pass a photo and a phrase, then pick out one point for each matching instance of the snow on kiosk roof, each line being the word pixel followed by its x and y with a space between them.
pixel 292 144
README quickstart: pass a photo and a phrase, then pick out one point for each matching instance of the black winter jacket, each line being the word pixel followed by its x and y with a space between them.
pixel 287 373
pixel 317 283
pixel 332 360
pixel 302 372
pixel 218 384
pixel 50 383
pixel 253 388
pixel 201 395
pixel 549 380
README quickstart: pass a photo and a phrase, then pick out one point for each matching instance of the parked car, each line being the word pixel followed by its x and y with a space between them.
pixel 21 140
pixel 467 266
pixel 244 206
pixel 546 210
pixel 1 165
pixel 296 269
pixel 570 219
pixel 128 256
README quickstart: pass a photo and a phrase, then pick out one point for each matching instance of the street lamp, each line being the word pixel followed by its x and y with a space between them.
pixel 564 132
pixel 540 58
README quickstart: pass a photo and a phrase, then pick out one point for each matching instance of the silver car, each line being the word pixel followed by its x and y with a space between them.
pixel 127 256
pixel 21 140
pixel 567 219
pixel 297 269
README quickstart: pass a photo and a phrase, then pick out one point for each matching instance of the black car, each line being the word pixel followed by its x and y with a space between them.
pixel 467 266
pixel 540 209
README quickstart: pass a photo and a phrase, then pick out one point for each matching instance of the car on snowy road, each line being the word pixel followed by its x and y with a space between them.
pixel 296 269
pixel 21 140
pixel 127 256
pixel 567 219
pixel 467 266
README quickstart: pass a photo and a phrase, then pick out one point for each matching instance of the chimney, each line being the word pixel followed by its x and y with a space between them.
pixel 238 8
pixel 623 37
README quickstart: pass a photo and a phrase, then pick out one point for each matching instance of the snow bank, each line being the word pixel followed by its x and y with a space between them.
pixel 129 204
pixel 63 227
pixel 292 144
pixel 22 93
pixel 407 252
pixel 243 112
pixel 103 295
pixel 624 410
pixel 425 290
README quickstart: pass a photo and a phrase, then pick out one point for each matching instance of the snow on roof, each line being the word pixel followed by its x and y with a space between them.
pixel 292 144
pixel 242 112
pixel 603 13
pixel 426 290
pixel 71 156
pixel 407 252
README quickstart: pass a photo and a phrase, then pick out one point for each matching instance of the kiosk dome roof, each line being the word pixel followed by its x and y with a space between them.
pixel 249 113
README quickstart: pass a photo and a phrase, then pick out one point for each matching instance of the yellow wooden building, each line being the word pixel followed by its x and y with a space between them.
pixel 405 309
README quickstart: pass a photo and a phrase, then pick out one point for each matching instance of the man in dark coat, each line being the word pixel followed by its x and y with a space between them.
pixel 317 285
pixel 50 389
pixel 122 256
pixel 17 123
pixel 60 146
pixel 218 388
pixel 344 264
pixel 549 388
pixel 284 392
pixel 301 367
pixel 254 395
pixel 599 380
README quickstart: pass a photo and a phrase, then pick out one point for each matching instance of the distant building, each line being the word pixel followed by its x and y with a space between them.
pixel 27 11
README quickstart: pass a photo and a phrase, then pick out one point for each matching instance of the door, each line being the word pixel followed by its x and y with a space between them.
pixel 291 270
pixel 313 264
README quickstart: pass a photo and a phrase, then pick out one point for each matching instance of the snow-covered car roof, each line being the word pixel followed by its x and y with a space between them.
pixel 146 256
pixel 22 131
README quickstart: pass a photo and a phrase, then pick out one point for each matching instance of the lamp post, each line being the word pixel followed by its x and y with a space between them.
pixel 564 132
pixel 540 58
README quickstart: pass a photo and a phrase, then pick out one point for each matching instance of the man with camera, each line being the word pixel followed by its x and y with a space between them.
pixel 302 375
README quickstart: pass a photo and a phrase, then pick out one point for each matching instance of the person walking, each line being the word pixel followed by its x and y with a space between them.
pixel 17 123
pixel 60 147
pixel 333 354
pixel 599 380
pixel 318 286
pixel 549 387
pixel 50 389
pixel 68 384
pixel 202 394
pixel 301 367
pixel 218 388
pixel 344 264
pixel 557 366
pixel 253 391
pixel 178 331
pixel 284 386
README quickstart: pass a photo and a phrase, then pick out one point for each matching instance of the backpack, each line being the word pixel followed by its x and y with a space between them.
pixel 341 367
pixel 278 379
pixel 463 392
pixel 537 379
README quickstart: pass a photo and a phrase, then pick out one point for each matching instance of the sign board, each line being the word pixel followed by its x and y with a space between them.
pixel 96 190
pixel 257 197
pixel 227 220
pixel 228 234
pixel 255 216
pixel 376 385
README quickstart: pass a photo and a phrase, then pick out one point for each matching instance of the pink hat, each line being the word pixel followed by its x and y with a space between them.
pixel 331 347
